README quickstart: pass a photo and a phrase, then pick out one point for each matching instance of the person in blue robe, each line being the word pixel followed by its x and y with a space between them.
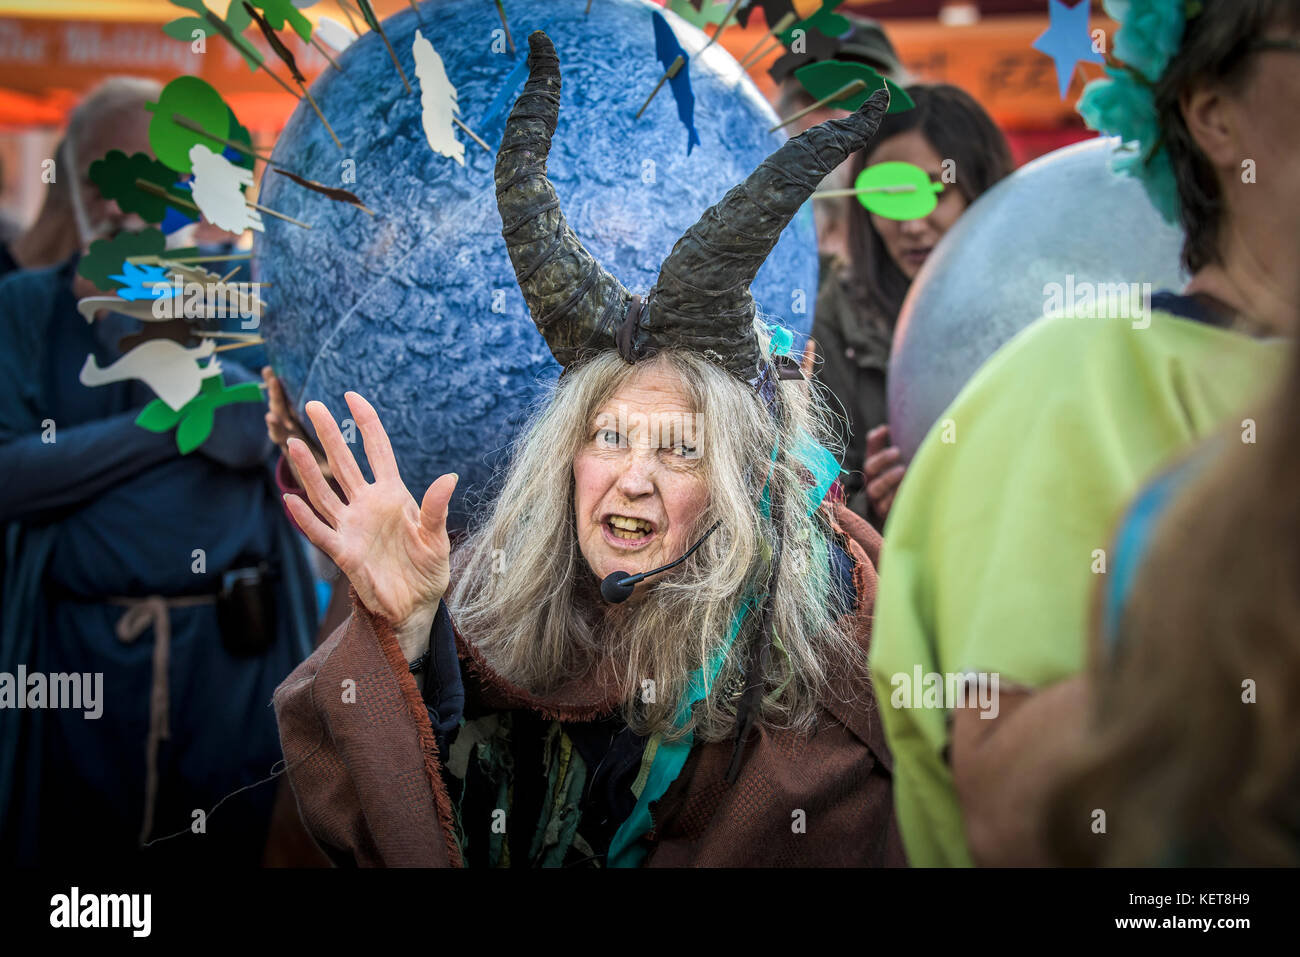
pixel 98 513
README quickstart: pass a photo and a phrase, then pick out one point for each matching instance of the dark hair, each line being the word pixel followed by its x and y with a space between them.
pixel 958 129
pixel 1186 771
pixel 1215 50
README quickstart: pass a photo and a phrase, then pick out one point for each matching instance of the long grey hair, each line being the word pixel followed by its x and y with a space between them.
pixel 524 596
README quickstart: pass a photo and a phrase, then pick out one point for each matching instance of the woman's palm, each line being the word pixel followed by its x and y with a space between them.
pixel 394 551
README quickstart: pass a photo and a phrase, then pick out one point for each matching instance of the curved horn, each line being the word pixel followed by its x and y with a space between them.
pixel 701 300
pixel 577 304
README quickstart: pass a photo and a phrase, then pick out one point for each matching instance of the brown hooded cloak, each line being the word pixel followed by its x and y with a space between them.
pixel 367 774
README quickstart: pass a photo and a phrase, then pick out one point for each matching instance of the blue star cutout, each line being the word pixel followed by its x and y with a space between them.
pixel 142 282
pixel 1068 41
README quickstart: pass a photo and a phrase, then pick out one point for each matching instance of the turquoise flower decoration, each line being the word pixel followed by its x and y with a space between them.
pixel 1123 104
pixel 1150 33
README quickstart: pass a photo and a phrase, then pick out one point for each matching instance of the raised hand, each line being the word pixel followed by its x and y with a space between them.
pixel 884 470
pixel 394 551
pixel 281 425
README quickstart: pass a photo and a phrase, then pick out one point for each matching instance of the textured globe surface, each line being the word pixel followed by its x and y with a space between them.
pixel 1064 214
pixel 417 307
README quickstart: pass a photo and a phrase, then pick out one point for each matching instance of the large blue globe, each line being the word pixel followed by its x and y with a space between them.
pixel 417 307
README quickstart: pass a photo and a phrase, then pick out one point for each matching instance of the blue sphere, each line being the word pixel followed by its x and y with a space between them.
pixel 417 307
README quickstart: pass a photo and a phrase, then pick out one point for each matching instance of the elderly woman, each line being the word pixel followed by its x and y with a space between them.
pixel 550 693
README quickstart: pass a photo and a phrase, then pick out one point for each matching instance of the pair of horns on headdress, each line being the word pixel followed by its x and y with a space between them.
pixel 701 300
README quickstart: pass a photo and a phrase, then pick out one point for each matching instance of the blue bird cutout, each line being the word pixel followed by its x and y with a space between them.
pixel 142 282
pixel 667 49
pixel 1068 41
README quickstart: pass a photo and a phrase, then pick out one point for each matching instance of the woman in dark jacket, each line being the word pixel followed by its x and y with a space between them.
pixel 950 137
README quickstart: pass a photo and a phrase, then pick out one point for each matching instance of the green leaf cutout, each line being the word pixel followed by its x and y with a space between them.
pixel 829 76
pixel 899 191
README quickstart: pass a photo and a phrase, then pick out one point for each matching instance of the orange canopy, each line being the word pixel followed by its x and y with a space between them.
pixel 52 50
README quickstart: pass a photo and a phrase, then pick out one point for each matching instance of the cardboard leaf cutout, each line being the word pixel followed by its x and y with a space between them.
pixel 899 191
pixel 773 11
pixel 825 21
pixel 368 14
pixel 106 256
pixel 438 101
pixel 667 49
pixel 235 23
pixel 116 173
pixel 219 191
pixel 198 102
pixel 158 416
pixel 183 28
pixel 177 330
pixel 194 429
pixel 276 44
pixel 196 418
pixel 701 13
pixel 278 11
pixel 825 78
pixel 333 192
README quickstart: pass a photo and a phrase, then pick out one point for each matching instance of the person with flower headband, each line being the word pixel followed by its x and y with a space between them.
pixel 997 542
pixel 651 650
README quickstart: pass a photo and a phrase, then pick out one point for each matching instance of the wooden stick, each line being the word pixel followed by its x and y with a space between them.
pixel 226 278
pixel 833 193
pixel 501 12
pixel 847 90
pixel 781 26
pixel 325 53
pixel 217 334
pixel 419 15
pixel 270 212
pixel 240 345
pixel 735 5
pixel 185 123
pixel 588 10
pixel 671 72
pixel 158 191
pixel 474 136
pixel 161 261
pixel 392 53
pixel 328 129
pixel 348 13
pixel 762 55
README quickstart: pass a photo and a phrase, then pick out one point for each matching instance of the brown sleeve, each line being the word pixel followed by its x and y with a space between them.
pixel 361 754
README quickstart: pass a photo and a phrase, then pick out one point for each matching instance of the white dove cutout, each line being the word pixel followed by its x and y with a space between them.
pixel 165 366
pixel 219 191
pixel 438 98
pixel 334 34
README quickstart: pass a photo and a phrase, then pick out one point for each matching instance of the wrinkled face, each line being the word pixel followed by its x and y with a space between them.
pixel 639 490
pixel 909 243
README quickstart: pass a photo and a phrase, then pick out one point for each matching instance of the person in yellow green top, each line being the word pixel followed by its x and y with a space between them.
pixel 997 541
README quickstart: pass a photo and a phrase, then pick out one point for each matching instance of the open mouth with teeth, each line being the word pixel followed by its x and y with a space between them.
pixel 629 529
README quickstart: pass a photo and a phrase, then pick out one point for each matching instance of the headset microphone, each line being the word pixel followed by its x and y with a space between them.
pixel 618 586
